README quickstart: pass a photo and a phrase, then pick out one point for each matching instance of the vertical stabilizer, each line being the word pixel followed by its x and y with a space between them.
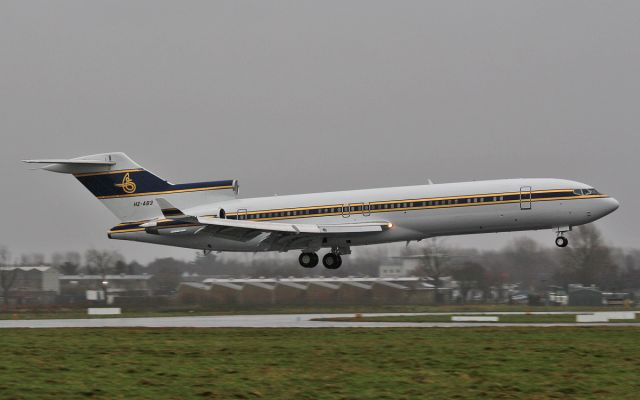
pixel 130 191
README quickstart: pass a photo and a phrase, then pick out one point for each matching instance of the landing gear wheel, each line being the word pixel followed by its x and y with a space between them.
pixel 332 261
pixel 562 241
pixel 308 260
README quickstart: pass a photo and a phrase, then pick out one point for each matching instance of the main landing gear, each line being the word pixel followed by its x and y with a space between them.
pixel 330 260
pixel 308 260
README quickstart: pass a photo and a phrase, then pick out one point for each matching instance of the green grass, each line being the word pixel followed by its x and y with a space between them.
pixel 450 363
pixel 525 318
pixel 231 310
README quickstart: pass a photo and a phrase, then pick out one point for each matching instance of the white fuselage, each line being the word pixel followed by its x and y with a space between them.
pixel 414 212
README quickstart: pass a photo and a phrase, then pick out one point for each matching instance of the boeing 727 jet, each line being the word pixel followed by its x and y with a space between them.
pixel 211 216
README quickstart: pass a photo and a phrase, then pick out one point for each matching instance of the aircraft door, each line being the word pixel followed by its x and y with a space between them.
pixel 346 210
pixel 366 209
pixel 525 198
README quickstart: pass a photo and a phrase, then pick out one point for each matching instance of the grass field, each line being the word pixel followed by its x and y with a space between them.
pixel 524 318
pixel 493 363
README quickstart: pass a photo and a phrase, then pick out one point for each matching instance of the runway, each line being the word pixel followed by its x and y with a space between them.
pixel 277 321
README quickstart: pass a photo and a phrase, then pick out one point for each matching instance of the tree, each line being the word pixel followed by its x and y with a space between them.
pixel 7 275
pixel 588 260
pixel 167 273
pixel 527 262
pixel 33 259
pixel 102 262
pixel 470 275
pixel 67 263
pixel 435 264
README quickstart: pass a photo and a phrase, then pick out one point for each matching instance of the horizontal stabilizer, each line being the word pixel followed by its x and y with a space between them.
pixel 87 164
pixel 70 162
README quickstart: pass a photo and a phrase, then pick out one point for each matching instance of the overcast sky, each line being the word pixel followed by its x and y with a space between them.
pixel 301 96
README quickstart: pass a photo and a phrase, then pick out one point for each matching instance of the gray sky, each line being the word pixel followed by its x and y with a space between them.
pixel 301 96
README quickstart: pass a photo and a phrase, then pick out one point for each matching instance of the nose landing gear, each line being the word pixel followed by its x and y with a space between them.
pixel 562 241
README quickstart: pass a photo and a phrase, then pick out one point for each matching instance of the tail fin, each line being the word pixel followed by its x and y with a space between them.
pixel 129 191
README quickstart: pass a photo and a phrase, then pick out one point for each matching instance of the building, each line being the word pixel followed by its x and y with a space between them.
pixel 386 292
pixel 585 296
pixel 352 292
pixel 258 293
pixel 31 285
pixel 399 268
pixel 310 291
pixel 290 293
pixel 82 287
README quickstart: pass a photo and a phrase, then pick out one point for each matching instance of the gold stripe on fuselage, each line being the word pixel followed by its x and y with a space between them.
pixel 412 201
pixel 414 208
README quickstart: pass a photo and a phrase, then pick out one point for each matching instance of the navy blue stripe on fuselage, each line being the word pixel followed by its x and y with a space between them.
pixel 140 183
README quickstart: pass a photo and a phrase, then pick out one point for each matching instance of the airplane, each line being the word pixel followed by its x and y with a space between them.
pixel 211 216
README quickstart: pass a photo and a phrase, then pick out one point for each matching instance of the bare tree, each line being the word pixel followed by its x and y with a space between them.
pixel 526 262
pixel 470 275
pixel 588 260
pixel 435 264
pixel 33 259
pixel 68 263
pixel 7 275
pixel 102 262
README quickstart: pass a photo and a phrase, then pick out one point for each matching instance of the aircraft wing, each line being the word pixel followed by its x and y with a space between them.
pixel 282 236
pixel 275 235
pixel 319 229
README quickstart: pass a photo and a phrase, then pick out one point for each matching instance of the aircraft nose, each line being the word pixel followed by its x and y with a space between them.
pixel 611 204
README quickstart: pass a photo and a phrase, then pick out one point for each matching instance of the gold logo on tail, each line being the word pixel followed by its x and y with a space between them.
pixel 127 185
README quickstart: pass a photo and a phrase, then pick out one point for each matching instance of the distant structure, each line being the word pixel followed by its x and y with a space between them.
pixel 77 288
pixel 309 291
pixel 398 268
pixel 584 296
pixel 32 284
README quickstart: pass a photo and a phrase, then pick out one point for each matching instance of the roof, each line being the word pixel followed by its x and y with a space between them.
pixel 106 277
pixel 261 285
pixel 324 285
pixel 227 285
pixel 357 284
pixel 241 281
pixel 292 284
pixel 390 284
pixel 196 285
pixel 41 268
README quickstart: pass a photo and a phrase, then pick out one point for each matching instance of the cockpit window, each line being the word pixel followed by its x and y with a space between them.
pixel 585 192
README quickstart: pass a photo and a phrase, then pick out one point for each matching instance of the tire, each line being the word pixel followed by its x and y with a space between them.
pixel 308 260
pixel 331 261
pixel 562 241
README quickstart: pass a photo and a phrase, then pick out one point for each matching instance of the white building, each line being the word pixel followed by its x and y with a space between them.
pixel 399 268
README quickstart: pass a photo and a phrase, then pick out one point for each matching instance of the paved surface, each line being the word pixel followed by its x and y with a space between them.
pixel 276 321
